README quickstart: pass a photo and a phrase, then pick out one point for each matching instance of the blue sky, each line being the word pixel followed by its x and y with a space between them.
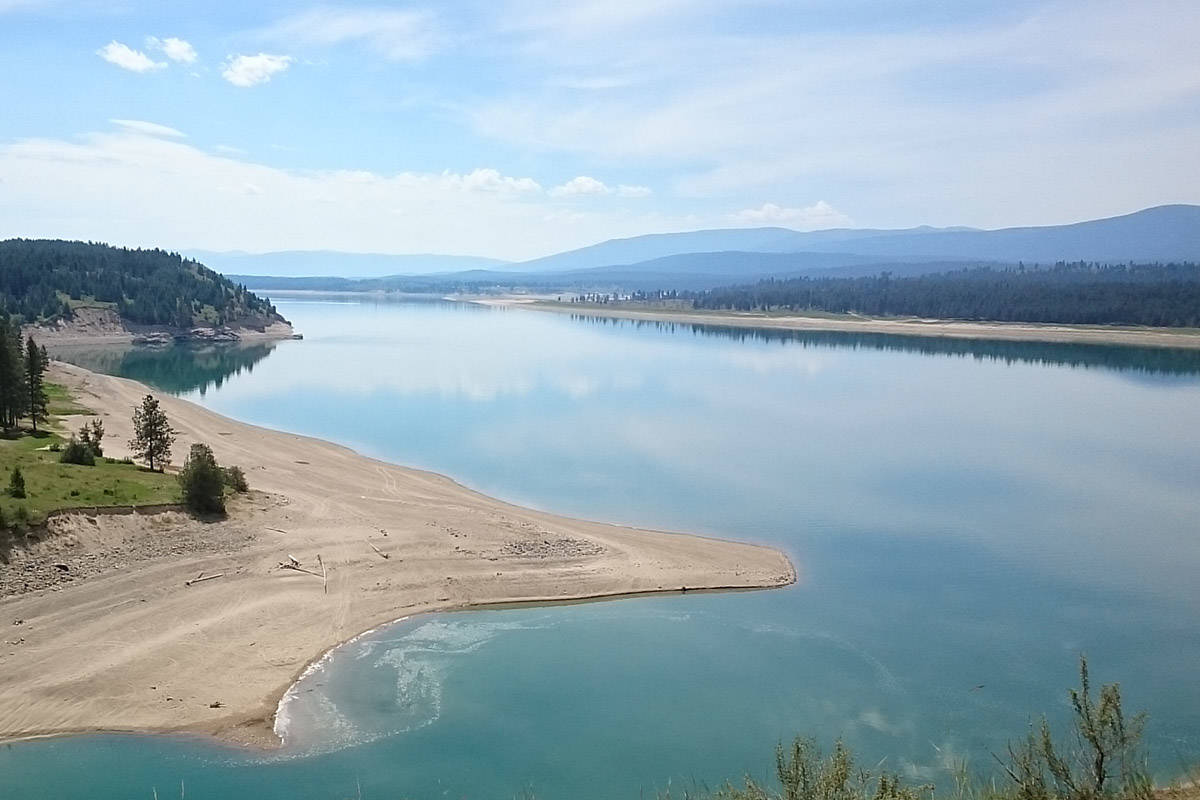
pixel 517 128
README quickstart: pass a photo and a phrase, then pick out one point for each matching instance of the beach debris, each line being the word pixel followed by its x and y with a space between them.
pixel 294 565
pixel 295 562
pixel 215 704
pixel 377 550
pixel 324 575
pixel 277 530
pixel 62 567
pixel 203 577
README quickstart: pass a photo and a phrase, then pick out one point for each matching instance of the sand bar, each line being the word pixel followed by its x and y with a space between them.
pixel 125 645
pixel 1004 331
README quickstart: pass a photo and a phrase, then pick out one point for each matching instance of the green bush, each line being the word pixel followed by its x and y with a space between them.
pixel 1099 759
pixel 76 452
pixel 235 479
pixel 16 483
pixel 203 481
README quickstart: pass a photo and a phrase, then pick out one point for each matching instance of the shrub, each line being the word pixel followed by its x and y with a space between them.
pixel 91 435
pixel 16 483
pixel 76 452
pixel 1101 758
pixel 203 481
pixel 235 479
pixel 22 515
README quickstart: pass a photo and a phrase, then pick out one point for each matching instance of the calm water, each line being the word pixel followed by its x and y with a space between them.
pixel 966 518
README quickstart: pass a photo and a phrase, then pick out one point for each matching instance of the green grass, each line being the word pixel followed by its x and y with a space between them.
pixel 62 403
pixel 87 301
pixel 50 485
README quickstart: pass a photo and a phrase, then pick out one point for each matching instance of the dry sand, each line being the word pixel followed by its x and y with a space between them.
pixel 117 641
pixel 1005 331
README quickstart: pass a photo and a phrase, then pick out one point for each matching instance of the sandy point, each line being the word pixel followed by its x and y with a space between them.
pixel 125 644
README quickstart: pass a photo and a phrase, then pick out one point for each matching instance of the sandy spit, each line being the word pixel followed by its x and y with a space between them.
pixel 1005 331
pixel 121 643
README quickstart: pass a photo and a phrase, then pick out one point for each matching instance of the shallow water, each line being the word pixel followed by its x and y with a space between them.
pixel 966 518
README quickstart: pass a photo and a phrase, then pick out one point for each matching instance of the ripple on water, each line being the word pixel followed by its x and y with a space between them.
pixel 383 683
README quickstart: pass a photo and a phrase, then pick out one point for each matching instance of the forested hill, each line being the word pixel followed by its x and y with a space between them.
pixel 44 279
pixel 1146 294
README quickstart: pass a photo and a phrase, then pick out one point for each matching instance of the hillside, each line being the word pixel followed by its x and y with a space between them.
pixel 1078 294
pixel 707 259
pixel 1163 233
pixel 107 290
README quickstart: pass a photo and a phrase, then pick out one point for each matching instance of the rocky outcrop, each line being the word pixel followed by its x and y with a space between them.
pixel 105 326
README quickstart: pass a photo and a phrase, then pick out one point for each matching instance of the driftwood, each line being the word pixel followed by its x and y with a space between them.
pixel 203 577
pixel 324 576
pixel 294 567
pixel 377 550
pixel 277 530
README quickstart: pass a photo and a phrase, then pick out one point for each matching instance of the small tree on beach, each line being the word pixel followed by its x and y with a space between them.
pixel 92 434
pixel 202 481
pixel 152 434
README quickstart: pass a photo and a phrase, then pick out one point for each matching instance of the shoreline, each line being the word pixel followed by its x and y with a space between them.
pixel 1181 338
pixel 216 659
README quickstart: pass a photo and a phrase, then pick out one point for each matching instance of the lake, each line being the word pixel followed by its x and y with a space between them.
pixel 966 519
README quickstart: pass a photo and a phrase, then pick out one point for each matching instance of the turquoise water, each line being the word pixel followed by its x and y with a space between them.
pixel 966 519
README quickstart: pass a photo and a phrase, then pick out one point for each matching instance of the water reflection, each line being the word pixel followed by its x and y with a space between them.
pixel 178 369
pixel 1151 360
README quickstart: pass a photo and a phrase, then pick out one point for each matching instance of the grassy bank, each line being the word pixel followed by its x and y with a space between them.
pixel 51 485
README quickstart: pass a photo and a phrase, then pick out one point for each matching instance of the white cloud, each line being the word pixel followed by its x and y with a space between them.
pixel 578 186
pixel 819 215
pixel 148 128
pixel 245 71
pixel 229 150
pixel 490 180
pixel 400 35
pixel 126 57
pixel 586 185
pixel 128 187
pixel 795 108
pixel 179 50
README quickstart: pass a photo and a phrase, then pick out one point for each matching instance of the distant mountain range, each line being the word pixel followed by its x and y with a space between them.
pixel 294 263
pixel 708 258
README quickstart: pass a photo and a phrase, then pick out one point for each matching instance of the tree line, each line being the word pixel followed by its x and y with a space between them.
pixel 39 278
pixel 1082 293
pixel 22 378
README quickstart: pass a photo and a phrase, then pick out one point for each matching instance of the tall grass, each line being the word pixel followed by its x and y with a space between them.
pixel 1098 758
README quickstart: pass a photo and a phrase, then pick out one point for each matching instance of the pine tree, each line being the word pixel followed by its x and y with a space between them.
pixel 35 384
pixel 152 434
pixel 13 397
pixel 203 481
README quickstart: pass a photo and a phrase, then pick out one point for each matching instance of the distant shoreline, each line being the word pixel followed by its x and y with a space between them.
pixel 1184 338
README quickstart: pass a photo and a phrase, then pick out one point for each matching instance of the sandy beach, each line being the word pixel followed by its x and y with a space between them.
pixel 1005 331
pixel 118 641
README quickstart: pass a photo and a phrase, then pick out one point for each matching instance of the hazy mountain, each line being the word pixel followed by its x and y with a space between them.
pixel 687 271
pixel 703 259
pixel 1163 233
pixel 331 262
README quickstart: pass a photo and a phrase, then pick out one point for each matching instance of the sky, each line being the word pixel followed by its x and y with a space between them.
pixel 518 128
